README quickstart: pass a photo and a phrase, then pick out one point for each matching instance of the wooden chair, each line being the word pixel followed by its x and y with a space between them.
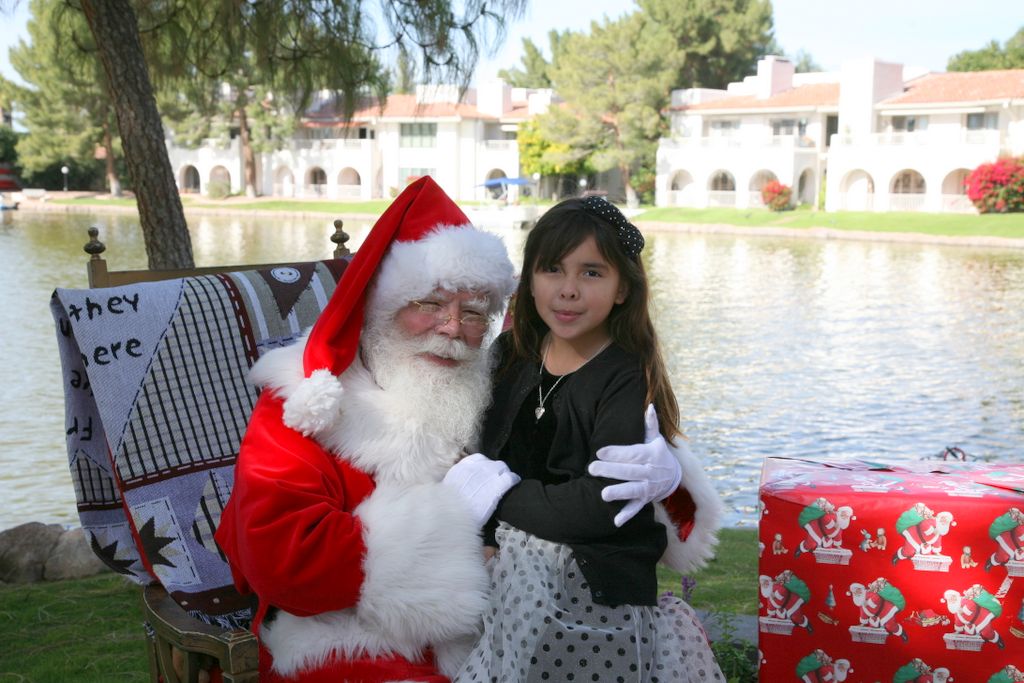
pixel 179 645
pixel 100 276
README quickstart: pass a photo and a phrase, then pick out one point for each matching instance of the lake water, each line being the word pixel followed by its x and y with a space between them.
pixel 776 346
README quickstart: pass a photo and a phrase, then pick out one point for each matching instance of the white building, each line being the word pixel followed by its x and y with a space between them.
pixel 381 148
pixel 877 137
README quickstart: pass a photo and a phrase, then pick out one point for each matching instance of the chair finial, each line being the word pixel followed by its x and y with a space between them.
pixel 339 238
pixel 94 246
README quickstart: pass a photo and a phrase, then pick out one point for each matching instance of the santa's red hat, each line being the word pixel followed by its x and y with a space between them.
pixel 421 243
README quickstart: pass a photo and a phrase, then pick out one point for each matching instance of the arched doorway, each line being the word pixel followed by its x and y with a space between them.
pixel 857 192
pixel 954 192
pixel 722 189
pixel 805 187
pixel 316 182
pixel 495 190
pixel 349 184
pixel 906 191
pixel 757 183
pixel 284 182
pixel 189 181
pixel 681 189
pixel 220 182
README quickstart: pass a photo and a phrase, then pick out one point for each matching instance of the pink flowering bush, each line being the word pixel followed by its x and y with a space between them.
pixel 776 196
pixel 997 187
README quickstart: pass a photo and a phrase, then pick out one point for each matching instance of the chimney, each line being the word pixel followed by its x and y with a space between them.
pixel 774 75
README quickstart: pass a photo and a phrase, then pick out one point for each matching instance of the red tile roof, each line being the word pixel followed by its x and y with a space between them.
pixel 405 106
pixel 966 86
pixel 813 95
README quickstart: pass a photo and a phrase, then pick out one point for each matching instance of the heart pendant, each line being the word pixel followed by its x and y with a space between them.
pixel 539 411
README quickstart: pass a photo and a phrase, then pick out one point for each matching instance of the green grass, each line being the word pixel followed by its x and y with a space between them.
pixel 994 225
pixel 729 582
pixel 85 630
pixel 90 630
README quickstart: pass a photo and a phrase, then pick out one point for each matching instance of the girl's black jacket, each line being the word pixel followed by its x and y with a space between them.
pixel 602 403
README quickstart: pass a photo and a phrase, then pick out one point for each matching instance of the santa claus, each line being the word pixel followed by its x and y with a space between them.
pixel 367 566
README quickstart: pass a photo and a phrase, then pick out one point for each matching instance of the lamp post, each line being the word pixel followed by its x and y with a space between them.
pixel 583 185
pixel 65 170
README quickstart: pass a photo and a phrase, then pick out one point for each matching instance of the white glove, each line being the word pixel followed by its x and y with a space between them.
pixel 481 482
pixel 650 471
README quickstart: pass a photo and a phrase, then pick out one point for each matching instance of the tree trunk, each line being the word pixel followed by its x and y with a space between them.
pixel 113 182
pixel 248 158
pixel 116 31
pixel 627 180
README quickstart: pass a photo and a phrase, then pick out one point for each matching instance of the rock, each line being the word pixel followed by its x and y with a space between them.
pixel 72 558
pixel 24 550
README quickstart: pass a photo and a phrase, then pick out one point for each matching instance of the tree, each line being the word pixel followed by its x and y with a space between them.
pixel 116 33
pixel 992 56
pixel 804 63
pixel 538 154
pixel 534 73
pixel 67 110
pixel 721 40
pixel 297 45
pixel 615 83
pixel 405 74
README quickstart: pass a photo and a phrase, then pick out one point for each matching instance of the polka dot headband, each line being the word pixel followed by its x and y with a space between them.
pixel 629 236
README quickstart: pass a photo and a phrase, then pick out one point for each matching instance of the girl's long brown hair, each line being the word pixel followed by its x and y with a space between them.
pixel 560 230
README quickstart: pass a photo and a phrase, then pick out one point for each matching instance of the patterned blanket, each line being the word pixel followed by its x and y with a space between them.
pixel 156 403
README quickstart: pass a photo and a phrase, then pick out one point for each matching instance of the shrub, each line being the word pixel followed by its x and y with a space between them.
pixel 218 189
pixel 776 196
pixel 997 187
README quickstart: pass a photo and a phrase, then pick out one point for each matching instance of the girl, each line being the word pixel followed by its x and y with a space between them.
pixel 573 595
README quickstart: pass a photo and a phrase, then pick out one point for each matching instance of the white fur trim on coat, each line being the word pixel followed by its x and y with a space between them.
pixel 699 546
pixel 452 258
pixel 425 585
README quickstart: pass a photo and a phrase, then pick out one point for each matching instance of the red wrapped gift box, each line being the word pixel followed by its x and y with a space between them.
pixel 891 573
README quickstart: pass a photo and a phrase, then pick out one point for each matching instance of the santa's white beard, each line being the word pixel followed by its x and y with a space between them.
pixel 446 401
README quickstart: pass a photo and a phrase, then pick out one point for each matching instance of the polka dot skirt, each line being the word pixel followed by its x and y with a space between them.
pixel 543 626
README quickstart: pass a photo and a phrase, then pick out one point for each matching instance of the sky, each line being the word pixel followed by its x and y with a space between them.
pixel 923 33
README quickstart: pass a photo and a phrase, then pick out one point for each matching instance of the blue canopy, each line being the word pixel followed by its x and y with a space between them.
pixel 494 182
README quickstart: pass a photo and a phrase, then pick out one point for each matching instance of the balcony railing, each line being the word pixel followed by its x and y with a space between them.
pixel 748 141
pixel 906 201
pixel 856 202
pixel 957 203
pixel 350 192
pixel 919 138
pixel 721 198
pixel 500 145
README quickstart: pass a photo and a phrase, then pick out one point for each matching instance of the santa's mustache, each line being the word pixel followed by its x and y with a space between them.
pixel 444 347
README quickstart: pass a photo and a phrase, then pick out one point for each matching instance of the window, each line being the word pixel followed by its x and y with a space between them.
pixel 723 129
pixel 407 175
pixel 788 127
pixel 908 182
pixel 983 121
pixel 418 135
pixel 909 124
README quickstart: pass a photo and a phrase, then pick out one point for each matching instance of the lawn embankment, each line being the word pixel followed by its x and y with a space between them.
pixel 90 630
pixel 938 224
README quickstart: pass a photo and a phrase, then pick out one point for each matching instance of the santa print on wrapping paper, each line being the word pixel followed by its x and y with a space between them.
pixel 922 532
pixel 1009 674
pixel 818 667
pixel 917 671
pixel 786 594
pixel 1007 532
pixel 880 602
pixel 823 523
pixel 973 615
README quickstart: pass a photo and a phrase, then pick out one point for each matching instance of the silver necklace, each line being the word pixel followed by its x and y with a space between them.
pixel 542 397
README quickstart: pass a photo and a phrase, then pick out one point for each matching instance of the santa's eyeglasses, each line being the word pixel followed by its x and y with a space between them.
pixel 472 323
